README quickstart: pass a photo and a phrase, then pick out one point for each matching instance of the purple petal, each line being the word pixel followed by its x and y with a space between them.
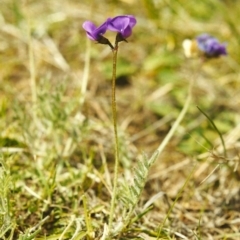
pixel 203 37
pixel 211 46
pixel 127 32
pixel 215 49
pixel 119 23
pixel 103 28
pixel 94 33
pixel 91 37
pixel 89 26
pixel 133 21
pixel 122 24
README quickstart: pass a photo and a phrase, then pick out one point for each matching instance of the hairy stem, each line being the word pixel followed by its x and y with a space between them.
pixel 116 148
pixel 85 73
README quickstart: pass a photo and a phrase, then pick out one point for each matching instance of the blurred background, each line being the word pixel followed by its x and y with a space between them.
pixel 153 72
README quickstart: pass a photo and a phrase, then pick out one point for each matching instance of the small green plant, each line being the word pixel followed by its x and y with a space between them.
pixel 123 26
pixel 66 172
pixel 129 194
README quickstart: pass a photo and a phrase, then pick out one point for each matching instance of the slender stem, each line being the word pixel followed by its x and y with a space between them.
pixel 178 120
pixel 85 72
pixel 216 129
pixel 182 113
pixel 116 148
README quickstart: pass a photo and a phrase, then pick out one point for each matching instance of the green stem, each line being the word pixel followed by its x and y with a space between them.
pixel 178 120
pixel 85 73
pixel 116 148
pixel 216 129
pixel 182 113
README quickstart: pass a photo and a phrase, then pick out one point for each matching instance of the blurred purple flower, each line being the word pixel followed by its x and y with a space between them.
pixel 96 33
pixel 123 25
pixel 93 32
pixel 210 46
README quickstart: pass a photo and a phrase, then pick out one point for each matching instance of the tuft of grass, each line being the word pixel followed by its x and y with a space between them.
pixel 6 222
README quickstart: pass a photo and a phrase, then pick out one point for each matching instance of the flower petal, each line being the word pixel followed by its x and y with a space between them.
pixel 127 32
pixel 122 24
pixel 89 26
pixel 133 21
pixel 103 28
pixel 94 33
pixel 210 46
pixel 119 23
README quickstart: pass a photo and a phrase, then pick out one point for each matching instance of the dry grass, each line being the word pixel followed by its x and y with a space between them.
pixel 56 144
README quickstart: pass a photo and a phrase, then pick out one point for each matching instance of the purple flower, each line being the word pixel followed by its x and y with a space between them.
pixel 93 32
pixel 210 46
pixel 123 25
pixel 96 33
